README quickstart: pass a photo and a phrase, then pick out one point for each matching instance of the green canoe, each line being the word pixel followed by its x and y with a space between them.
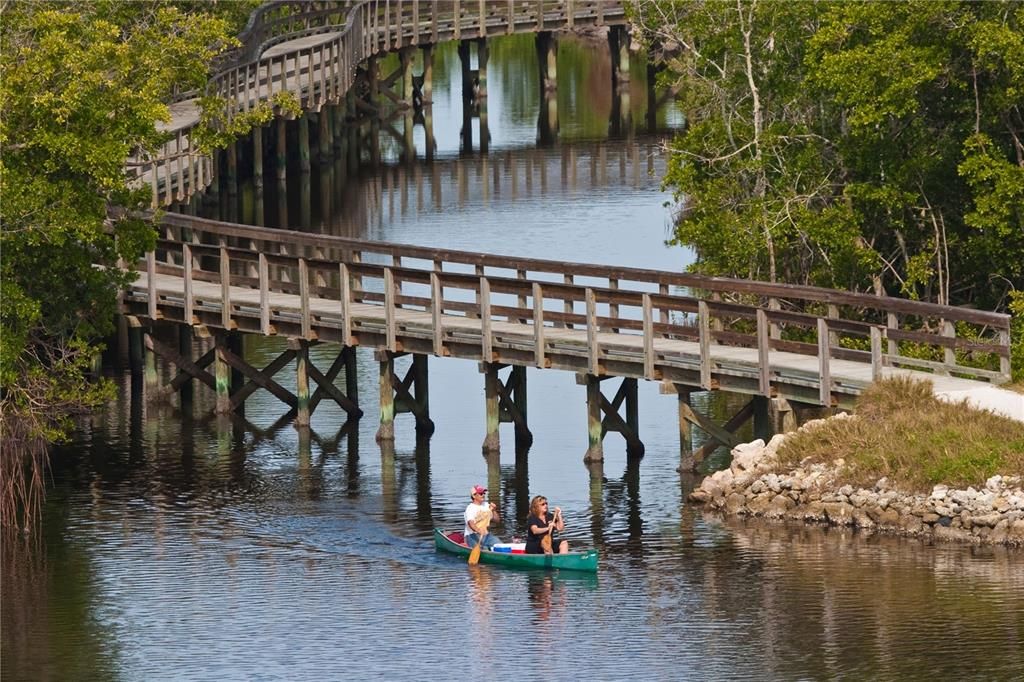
pixel 572 561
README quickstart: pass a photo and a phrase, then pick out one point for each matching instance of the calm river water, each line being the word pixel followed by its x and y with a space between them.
pixel 182 546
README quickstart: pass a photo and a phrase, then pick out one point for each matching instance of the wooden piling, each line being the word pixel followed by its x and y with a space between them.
pixel 301 347
pixel 222 374
pixel 303 122
pixel 492 441
pixel 595 432
pixel 281 144
pixel 386 431
pixel 257 158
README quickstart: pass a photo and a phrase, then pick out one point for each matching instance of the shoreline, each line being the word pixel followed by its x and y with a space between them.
pixel 752 486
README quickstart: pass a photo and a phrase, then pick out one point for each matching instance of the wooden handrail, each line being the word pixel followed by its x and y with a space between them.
pixel 397 276
pixel 624 275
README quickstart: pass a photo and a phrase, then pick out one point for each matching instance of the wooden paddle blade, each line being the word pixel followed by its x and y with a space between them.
pixel 474 556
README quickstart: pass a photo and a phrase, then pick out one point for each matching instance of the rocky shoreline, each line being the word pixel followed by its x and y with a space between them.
pixel 816 493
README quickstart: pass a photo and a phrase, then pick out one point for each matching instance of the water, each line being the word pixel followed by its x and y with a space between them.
pixel 184 546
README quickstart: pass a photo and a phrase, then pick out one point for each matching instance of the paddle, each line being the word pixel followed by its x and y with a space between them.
pixel 482 521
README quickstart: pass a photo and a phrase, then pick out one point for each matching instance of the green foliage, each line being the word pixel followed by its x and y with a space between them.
pixel 869 146
pixel 83 88
pixel 1017 336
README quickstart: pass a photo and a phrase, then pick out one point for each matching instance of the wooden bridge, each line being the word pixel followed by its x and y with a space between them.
pixel 327 60
pixel 783 345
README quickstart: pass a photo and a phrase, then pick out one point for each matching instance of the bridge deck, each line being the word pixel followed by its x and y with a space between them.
pixel 793 375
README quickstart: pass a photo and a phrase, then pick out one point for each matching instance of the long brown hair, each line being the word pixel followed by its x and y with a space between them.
pixel 535 506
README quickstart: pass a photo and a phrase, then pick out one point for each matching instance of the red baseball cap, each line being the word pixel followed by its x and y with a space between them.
pixel 477 490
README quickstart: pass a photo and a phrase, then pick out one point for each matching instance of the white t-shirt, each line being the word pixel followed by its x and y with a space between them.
pixel 472 512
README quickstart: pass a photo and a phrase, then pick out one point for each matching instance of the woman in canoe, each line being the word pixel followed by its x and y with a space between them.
pixel 541 526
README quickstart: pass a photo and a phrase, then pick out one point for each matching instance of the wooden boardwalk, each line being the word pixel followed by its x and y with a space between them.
pixel 700 332
pixel 314 53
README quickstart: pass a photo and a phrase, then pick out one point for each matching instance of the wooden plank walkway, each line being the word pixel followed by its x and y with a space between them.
pixel 800 343
pixel 314 55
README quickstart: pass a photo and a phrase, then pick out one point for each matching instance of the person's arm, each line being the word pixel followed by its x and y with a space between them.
pixel 557 521
pixel 536 529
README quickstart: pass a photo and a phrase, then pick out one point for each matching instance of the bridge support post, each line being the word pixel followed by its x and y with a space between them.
pixel 782 415
pixel 505 403
pixel 524 438
pixel 492 397
pixel 348 354
pixel 421 396
pixel 386 430
pixel 547 60
pixel 257 159
pixel 401 395
pixel 301 348
pixel 281 145
pixel 222 374
pixel 618 43
pixel 481 64
pixel 595 434
pixel 762 418
pixel 231 152
pixel 152 378
pixel 304 143
pixel 337 128
pixel 621 123
pixel 185 392
pixel 427 89
pixel 686 459
pixel 405 57
pixel 135 344
pixel 467 70
pixel 323 120
pixel 597 426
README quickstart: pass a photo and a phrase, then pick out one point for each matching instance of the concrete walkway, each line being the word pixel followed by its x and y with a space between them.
pixel 982 396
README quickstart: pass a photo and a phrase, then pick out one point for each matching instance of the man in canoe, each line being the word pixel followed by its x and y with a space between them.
pixel 479 515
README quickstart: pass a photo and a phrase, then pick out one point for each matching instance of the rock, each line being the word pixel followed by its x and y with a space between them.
pixel 911 525
pixel 1016 531
pixel 839 513
pixel 779 505
pixel 773 446
pixel 889 518
pixel 734 502
pixel 1000 532
pixel 930 517
pixel 699 496
pixel 861 519
pixel 760 505
pixel 995 483
pixel 939 492
pixel 746 456
pixel 987 520
pixel 711 488
pixel 724 478
pixel 882 484
pixel 951 534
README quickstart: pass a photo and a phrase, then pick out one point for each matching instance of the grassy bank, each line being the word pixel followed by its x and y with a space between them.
pixel 903 432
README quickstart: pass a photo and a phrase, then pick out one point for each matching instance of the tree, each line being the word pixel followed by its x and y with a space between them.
pixel 83 86
pixel 867 146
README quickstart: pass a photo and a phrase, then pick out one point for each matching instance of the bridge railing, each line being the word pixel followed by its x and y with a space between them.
pixel 323 73
pixel 638 305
